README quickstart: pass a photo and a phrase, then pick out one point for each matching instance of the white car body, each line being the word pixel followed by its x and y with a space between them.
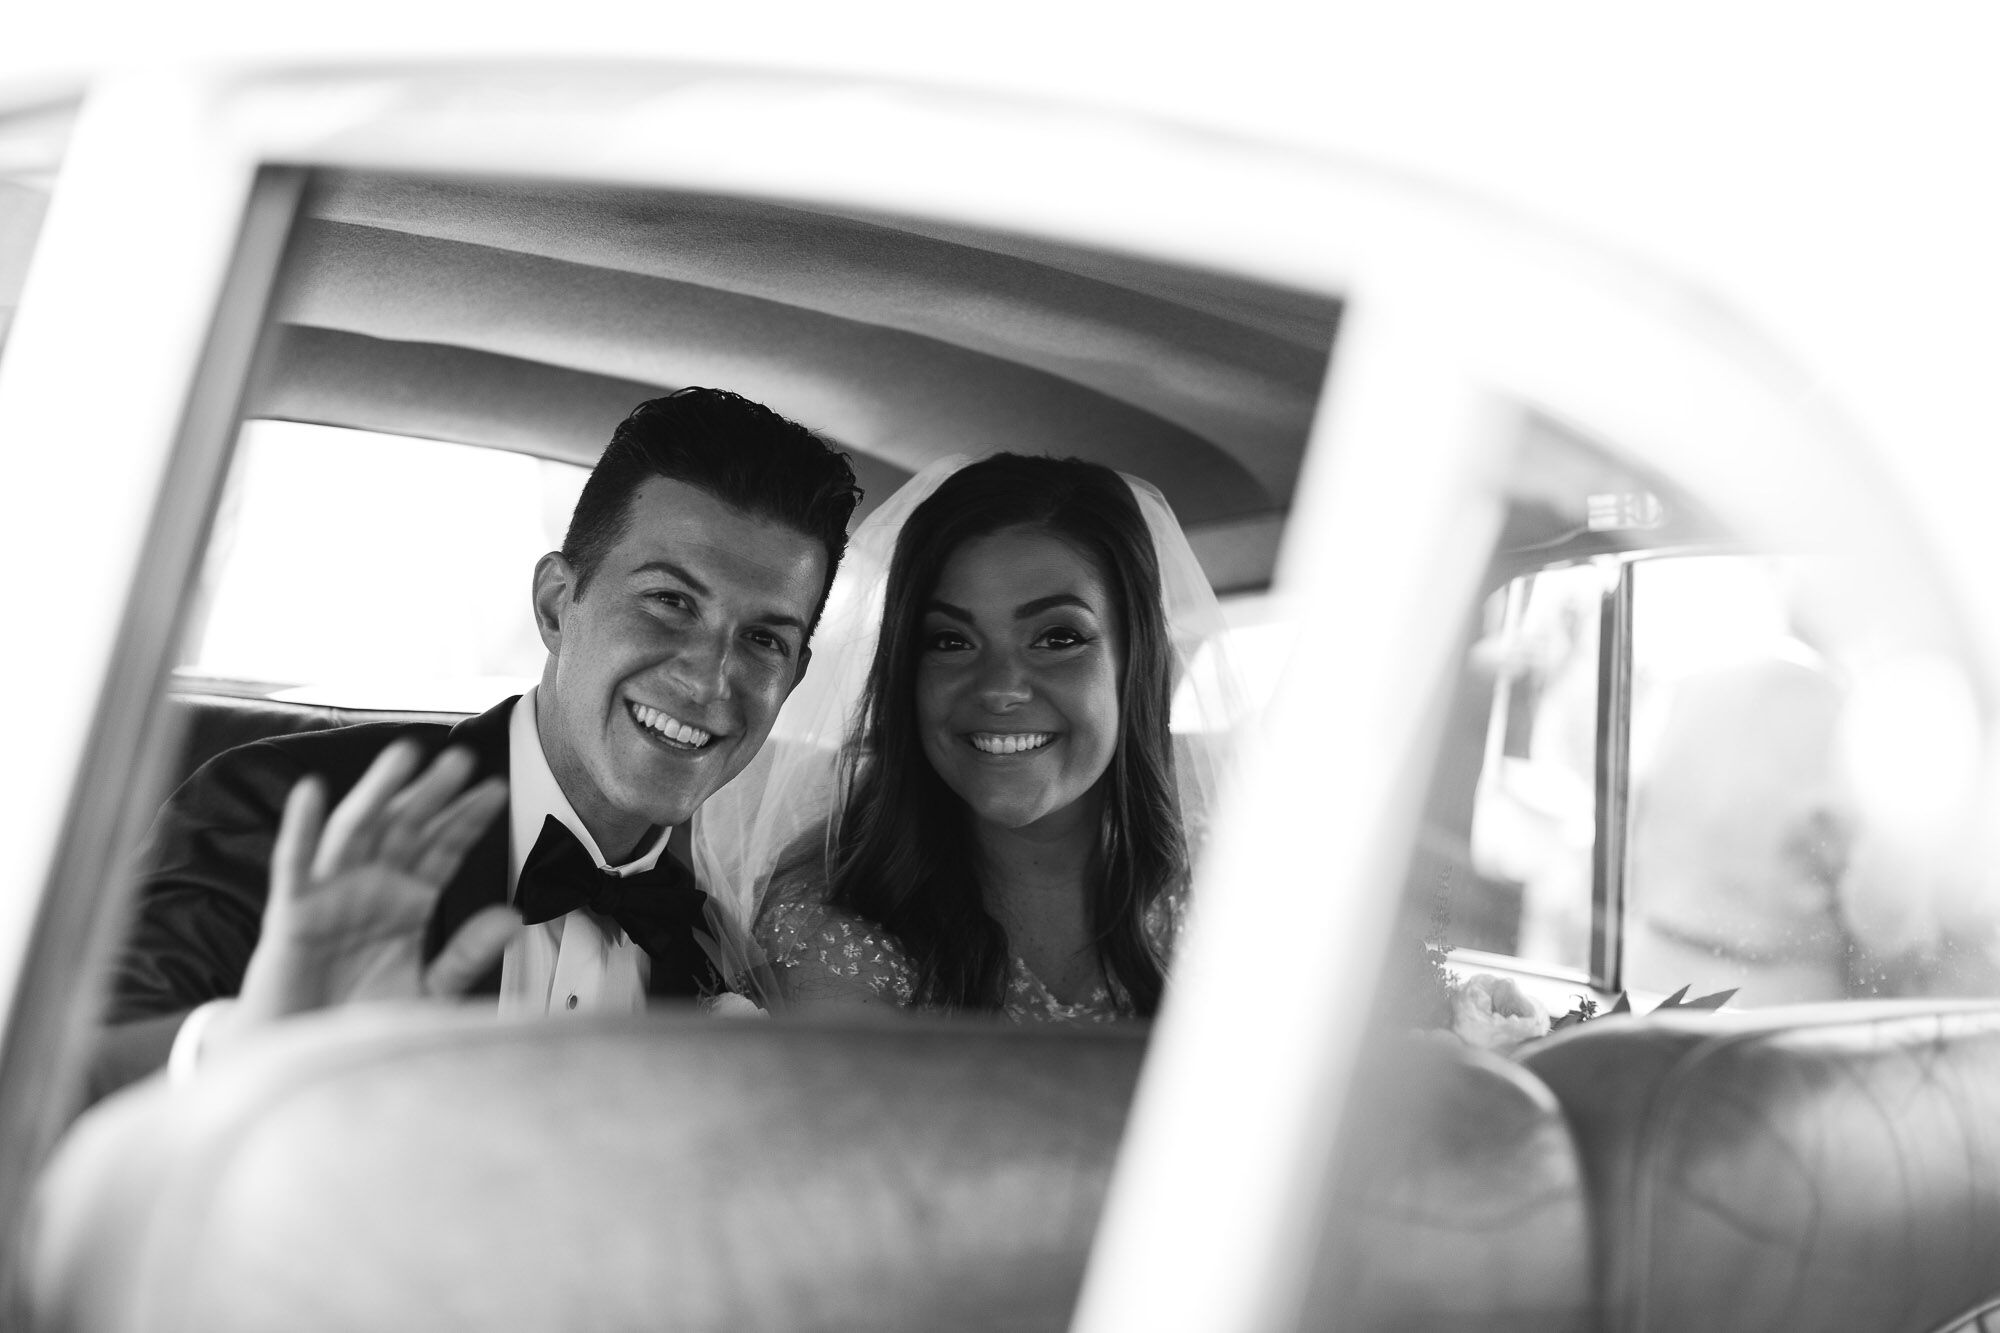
pixel 1752 246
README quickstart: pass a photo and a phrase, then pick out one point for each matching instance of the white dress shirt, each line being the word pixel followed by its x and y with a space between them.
pixel 579 963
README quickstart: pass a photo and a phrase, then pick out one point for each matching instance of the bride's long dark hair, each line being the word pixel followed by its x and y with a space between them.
pixel 902 854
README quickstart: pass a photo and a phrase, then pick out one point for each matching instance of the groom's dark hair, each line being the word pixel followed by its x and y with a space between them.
pixel 741 452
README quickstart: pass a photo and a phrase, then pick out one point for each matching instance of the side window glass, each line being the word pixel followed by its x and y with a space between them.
pixel 1758 857
pixel 1675 770
pixel 1534 810
pixel 1504 866
pixel 1674 755
pixel 1739 829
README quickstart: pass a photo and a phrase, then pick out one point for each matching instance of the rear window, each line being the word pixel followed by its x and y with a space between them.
pixel 375 571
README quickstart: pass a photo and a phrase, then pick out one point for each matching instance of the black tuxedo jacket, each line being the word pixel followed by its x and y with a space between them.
pixel 207 858
pixel 206 865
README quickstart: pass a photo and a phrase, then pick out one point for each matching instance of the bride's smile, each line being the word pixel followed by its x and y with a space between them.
pixel 996 743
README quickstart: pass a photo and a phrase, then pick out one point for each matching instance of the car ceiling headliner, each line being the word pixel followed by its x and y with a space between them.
pixel 533 317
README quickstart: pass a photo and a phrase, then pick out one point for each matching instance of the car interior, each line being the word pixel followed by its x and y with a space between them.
pixel 1823 1153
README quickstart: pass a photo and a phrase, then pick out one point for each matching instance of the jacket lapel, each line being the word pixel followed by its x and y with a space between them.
pixel 481 881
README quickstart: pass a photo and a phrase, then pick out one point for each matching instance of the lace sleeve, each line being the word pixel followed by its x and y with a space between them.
pixel 821 956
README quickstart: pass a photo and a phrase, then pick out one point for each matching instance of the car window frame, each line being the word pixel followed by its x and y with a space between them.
pixel 121 770
pixel 245 147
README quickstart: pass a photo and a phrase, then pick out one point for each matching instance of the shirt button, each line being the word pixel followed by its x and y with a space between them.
pixel 570 1003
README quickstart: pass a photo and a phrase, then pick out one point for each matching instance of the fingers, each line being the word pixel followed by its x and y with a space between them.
pixel 298 839
pixel 352 891
pixel 411 809
pixel 351 831
pixel 383 817
pixel 445 840
pixel 471 952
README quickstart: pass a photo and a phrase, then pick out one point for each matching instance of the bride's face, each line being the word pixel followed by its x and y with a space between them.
pixel 1017 685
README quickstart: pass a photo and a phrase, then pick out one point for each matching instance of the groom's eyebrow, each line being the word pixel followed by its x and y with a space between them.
pixel 673 570
pixel 774 616
pixel 782 620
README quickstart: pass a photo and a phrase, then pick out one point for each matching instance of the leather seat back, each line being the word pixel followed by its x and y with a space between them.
pixel 416 1169
pixel 1836 1167
pixel 211 723
pixel 1458 1202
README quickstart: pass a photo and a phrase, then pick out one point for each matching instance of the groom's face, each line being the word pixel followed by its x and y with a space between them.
pixel 667 669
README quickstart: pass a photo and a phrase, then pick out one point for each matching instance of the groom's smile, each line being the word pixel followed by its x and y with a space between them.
pixel 670 731
pixel 668 665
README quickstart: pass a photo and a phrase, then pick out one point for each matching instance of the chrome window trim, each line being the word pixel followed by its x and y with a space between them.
pixel 1613 785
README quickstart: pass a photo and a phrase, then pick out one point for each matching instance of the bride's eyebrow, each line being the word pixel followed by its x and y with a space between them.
pixel 1021 612
pixel 1041 604
pixel 936 607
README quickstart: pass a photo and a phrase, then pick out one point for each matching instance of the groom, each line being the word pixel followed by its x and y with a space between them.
pixel 676 616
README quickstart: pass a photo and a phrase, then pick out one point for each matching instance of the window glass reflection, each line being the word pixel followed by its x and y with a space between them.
pixel 1768 849
pixel 1534 813
pixel 1504 862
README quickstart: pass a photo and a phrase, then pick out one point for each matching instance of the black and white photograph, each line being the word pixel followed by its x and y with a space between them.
pixel 828 668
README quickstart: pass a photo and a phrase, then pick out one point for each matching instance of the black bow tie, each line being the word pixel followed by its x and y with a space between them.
pixel 661 909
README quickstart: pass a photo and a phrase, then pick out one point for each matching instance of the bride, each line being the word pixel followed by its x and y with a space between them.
pixel 1006 828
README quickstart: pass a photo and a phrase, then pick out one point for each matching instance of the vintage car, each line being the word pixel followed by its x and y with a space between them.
pixel 1586 644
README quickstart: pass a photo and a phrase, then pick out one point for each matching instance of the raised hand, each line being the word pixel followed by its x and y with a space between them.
pixel 352 893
